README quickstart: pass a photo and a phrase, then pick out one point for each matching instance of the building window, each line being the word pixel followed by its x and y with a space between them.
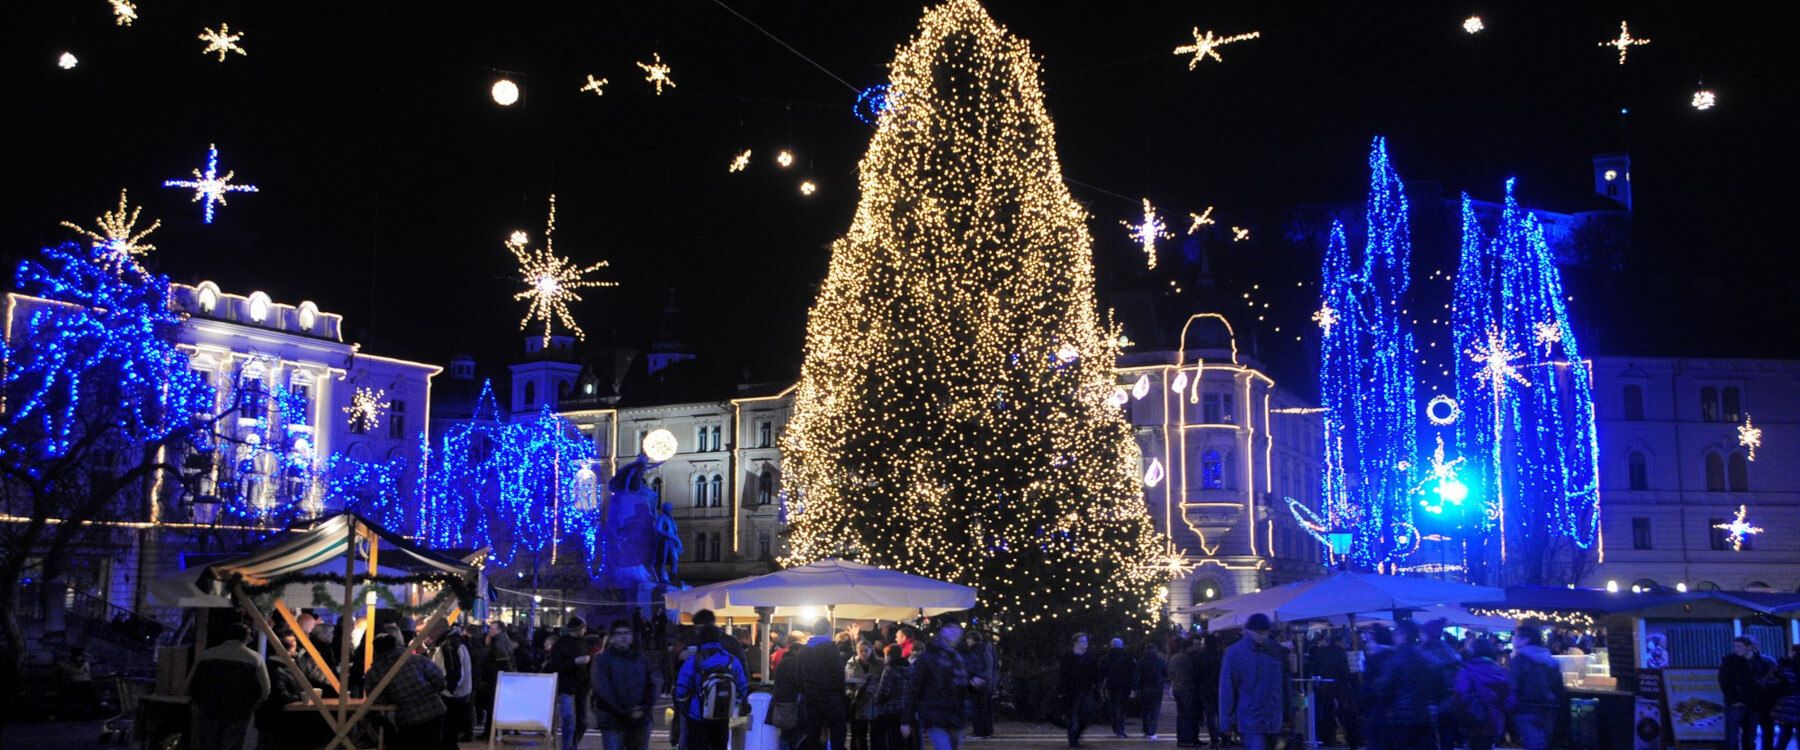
pixel 1215 408
pixel 1737 473
pixel 562 390
pixel 700 546
pixel 700 438
pixel 717 492
pixel 713 550
pixel 1715 472
pixel 530 393
pixel 765 433
pixel 1634 403
pixel 716 443
pixel 1731 403
pixel 1639 469
pixel 765 487
pixel 1709 404
pixel 1212 471
pixel 699 490
pixel 1640 533
pixel 397 419
pixel 763 549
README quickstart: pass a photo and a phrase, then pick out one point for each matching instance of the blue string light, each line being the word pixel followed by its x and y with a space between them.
pixel 871 103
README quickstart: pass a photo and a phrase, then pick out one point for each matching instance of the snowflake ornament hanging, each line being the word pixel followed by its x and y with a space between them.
pixel 596 85
pixel 1200 220
pixel 1749 436
pixel 550 280
pixel 1148 232
pixel 209 187
pixel 1737 530
pixel 1326 316
pixel 656 73
pixel 1625 41
pixel 117 237
pixel 1239 234
pixel 740 162
pixel 1207 45
pixel 1497 358
pixel 1704 99
pixel 365 409
pixel 221 41
pixel 124 11
pixel 1547 334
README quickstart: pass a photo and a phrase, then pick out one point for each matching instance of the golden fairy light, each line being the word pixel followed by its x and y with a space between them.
pixel 1749 436
pixel 1625 41
pixel 1200 220
pixel 221 41
pixel 740 162
pixel 366 406
pixel 550 280
pixel 596 85
pixel 1207 45
pixel 657 74
pixel 124 11
pixel 116 234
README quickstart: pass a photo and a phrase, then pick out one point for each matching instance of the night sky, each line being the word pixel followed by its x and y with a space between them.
pixel 389 179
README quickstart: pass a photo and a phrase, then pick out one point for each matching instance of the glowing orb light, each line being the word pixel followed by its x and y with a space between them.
pixel 505 92
pixel 660 445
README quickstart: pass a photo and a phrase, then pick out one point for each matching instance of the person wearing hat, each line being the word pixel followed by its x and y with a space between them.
pixel 1253 686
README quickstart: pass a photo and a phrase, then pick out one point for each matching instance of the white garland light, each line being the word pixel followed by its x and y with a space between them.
pixel 550 280
pixel 1496 358
pixel 221 41
pixel 1239 234
pixel 67 61
pixel 209 187
pixel 1207 45
pixel 1148 231
pixel 656 73
pixel 1547 334
pixel 1326 317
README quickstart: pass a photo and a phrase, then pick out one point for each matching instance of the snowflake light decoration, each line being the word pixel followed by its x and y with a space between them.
pixel 1326 316
pixel 1148 232
pixel 1441 476
pixel 1497 358
pixel 221 41
pixel 740 162
pixel 1704 99
pixel 785 158
pixel 1749 436
pixel 1239 234
pixel 1547 334
pixel 117 234
pixel 1200 219
pixel 1174 562
pixel 124 11
pixel 1738 529
pixel 67 61
pixel 550 280
pixel 1625 41
pixel 209 187
pixel 656 73
pixel 1207 45
pixel 365 408
pixel 1473 24
pixel 808 188
pixel 596 85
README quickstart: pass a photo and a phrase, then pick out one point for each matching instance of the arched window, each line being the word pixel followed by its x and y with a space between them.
pixel 699 490
pixel 716 492
pixel 1639 470
pixel 1737 473
pixel 765 487
pixel 1758 586
pixel 1634 402
pixel 716 444
pixel 259 306
pixel 1715 472
pixel 530 393
pixel 1206 590
pixel 700 438
pixel 1645 584
pixel 1212 471
pixel 208 297
pixel 765 435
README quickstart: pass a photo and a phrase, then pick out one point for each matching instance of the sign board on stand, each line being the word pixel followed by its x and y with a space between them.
pixel 523 702
pixel 1696 705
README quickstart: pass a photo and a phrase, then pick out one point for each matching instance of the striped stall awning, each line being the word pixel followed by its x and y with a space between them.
pixel 331 540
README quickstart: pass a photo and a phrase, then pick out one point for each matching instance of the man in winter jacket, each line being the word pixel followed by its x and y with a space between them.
pixel 1481 687
pixel 452 656
pixel 939 688
pixel 1076 675
pixel 825 712
pixel 415 692
pixel 1253 686
pixel 623 692
pixel 1152 677
pixel 1411 686
pixel 1182 671
pixel 229 681
pixel 1536 689
pixel 1117 672
pixel 1207 664
pixel 699 732
pixel 1747 678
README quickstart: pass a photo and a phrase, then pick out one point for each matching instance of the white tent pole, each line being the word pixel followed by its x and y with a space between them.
pixel 765 616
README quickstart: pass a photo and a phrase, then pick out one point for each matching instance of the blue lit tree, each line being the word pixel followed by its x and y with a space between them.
pixel 100 406
pixel 1340 364
pixel 1528 426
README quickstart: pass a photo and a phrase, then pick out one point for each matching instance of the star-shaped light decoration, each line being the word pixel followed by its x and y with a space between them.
pixel 221 41
pixel 1704 99
pixel 1173 562
pixel 117 234
pixel 1625 41
pixel 740 162
pixel 1749 436
pixel 1497 358
pixel 1200 219
pixel 1738 529
pixel 1207 45
pixel 656 73
pixel 1239 234
pixel 550 280
pixel 124 11
pixel 209 187
pixel 1326 316
pixel 365 409
pixel 1547 334
pixel 1148 232
pixel 1473 24
pixel 596 85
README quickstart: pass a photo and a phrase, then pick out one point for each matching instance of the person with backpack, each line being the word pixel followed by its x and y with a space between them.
pixel 623 691
pixel 709 687
pixel 1481 693
pixel 1535 689
pixel 822 691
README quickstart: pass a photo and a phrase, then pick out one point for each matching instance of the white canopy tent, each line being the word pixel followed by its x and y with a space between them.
pixel 1340 595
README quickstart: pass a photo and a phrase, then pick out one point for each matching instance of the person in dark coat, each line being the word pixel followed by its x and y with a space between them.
pixel 1378 648
pixel 787 689
pixel 1787 707
pixel 1152 679
pixel 1206 687
pixel 1329 662
pixel 1253 686
pixel 228 682
pixel 822 691
pixel 1182 673
pixel 1535 689
pixel 891 708
pixel 1412 687
pixel 984 662
pixel 1441 653
pixel 624 691
pixel 1481 692
pixel 1076 676
pixel 940 687
pixel 1747 678
pixel 1117 672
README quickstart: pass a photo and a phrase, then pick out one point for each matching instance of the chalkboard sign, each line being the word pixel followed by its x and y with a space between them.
pixel 523 702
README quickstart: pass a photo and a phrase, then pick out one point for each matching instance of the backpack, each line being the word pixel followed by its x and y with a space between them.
pixel 717 693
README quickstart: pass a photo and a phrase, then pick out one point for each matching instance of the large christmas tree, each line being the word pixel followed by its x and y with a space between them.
pixel 951 418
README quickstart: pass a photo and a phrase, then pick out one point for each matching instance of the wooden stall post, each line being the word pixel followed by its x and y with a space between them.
pixel 248 607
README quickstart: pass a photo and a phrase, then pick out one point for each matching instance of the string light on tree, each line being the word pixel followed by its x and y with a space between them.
pixel 1749 436
pixel 1738 529
pixel 656 73
pixel 210 188
pixel 1625 41
pixel 1473 25
pixel 1201 219
pixel 67 61
pixel 551 280
pixel 221 41
pixel 596 85
pixel 740 162
pixel 124 12
pixel 1704 99
pixel 117 237
pixel 1207 45
pixel 1148 231
pixel 365 409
